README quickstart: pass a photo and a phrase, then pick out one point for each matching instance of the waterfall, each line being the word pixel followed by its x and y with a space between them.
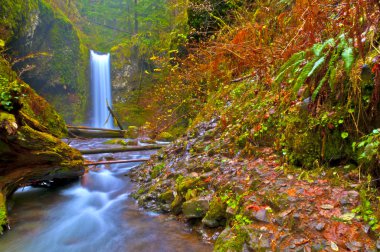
pixel 101 90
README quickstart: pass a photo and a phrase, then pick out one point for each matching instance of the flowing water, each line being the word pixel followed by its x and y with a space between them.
pixel 101 90
pixel 95 214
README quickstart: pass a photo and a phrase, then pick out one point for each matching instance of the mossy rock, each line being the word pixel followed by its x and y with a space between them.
pixel 195 208
pixel 216 215
pixel 231 240
pixel 176 205
pixel 187 183
pixel 156 170
pixel 167 197
pixel 165 136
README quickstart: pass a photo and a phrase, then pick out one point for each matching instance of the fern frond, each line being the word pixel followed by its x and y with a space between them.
pixel 320 85
pixel 316 65
pixel 290 69
pixel 304 74
pixel 290 64
pixel 348 58
pixel 318 48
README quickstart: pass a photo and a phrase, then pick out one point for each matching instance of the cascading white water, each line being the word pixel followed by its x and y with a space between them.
pixel 101 90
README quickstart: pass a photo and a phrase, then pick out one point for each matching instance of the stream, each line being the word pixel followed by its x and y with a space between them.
pixel 93 214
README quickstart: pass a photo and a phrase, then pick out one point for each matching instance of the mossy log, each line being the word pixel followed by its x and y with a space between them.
pixel 122 149
pixel 30 148
pixel 96 133
pixel 88 163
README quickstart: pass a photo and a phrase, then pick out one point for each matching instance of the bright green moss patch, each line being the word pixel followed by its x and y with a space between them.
pixel 3 213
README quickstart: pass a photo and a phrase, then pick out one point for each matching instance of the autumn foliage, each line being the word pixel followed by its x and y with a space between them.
pixel 263 36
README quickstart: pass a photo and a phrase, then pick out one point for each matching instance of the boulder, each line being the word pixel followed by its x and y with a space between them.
pixel 195 208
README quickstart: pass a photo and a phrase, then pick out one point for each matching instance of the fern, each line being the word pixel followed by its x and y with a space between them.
pixel 304 74
pixel 348 58
pixel 290 69
pixel 332 67
pixel 290 65
pixel 317 64
pixel 318 48
pixel 320 85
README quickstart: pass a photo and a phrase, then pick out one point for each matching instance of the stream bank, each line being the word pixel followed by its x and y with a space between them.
pixel 260 203
pixel 96 213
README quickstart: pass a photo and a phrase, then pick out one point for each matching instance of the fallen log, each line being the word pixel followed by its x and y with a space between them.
pixel 93 133
pixel 121 149
pixel 87 163
pixel 92 128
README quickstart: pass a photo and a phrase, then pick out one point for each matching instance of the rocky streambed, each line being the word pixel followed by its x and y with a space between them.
pixel 257 203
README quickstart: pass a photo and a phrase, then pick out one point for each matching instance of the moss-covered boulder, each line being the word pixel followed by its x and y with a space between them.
pixel 195 208
pixel 216 214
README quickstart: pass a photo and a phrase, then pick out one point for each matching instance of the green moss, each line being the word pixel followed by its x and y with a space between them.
pixel 167 197
pixel 36 107
pixel 187 183
pixel 216 214
pixel 156 170
pixel 165 136
pixel 4 116
pixel 231 240
pixel 3 213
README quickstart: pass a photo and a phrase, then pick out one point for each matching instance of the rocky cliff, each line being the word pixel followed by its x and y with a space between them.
pixel 48 54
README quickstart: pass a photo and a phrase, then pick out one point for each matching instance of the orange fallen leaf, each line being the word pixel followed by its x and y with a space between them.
pixel 292 192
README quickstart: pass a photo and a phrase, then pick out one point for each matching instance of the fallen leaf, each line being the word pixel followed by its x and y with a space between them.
pixel 292 192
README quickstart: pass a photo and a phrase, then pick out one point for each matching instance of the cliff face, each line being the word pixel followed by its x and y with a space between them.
pixel 49 55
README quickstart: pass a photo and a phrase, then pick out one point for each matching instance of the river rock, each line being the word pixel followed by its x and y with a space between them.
pixel 216 214
pixel 195 208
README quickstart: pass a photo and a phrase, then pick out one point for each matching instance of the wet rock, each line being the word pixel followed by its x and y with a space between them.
pixel 261 215
pixel 320 226
pixel 231 210
pixel 319 246
pixel 259 240
pixel 195 208
pixel 378 244
pixel 216 215
pixel 354 245
pixel 176 204
pixel 167 197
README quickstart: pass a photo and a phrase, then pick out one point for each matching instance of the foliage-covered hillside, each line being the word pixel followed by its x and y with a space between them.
pixel 282 99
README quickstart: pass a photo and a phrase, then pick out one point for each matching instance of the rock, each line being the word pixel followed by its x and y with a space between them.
pixel 320 226
pixel 177 204
pixel 216 214
pixel 354 245
pixel 259 239
pixel 167 197
pixel 231 210
pixel 261 215
pixel 319 246
pixel 378 244
pixel 195 208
